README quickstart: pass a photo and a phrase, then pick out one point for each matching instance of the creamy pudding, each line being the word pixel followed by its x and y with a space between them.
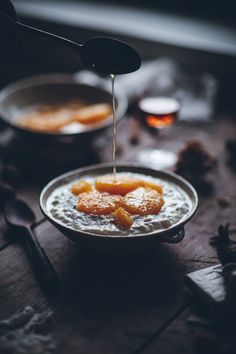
pixel 62 206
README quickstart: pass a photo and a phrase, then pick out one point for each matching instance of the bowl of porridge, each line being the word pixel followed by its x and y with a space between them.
pixel 133 209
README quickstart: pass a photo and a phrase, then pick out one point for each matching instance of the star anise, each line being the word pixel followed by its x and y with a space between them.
pixel 225 247
pixel 222 237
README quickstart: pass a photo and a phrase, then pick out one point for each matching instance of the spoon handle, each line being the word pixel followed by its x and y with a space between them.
pixel 48 35
pixel 41 263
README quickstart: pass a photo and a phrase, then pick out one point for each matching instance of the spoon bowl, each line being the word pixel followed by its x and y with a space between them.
pixel 18 213
pixel 109 56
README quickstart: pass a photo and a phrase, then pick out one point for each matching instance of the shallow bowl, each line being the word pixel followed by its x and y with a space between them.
pixel 120 243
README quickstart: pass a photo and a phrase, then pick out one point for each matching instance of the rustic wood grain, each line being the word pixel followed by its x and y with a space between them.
pixel 112 302
pixel 185 336
pixel 108 304
pixel 124 304
pixel 18 285
pixel 5 234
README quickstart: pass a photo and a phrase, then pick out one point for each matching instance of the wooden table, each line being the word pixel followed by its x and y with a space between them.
pixel 124 305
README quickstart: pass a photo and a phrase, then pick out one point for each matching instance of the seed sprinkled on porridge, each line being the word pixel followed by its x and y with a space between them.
pixel 174 204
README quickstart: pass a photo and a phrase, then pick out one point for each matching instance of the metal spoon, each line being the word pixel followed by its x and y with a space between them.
pixel 19 216
pixel 102 54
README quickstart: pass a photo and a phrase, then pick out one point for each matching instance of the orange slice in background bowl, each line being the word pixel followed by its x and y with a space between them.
pixel 93 114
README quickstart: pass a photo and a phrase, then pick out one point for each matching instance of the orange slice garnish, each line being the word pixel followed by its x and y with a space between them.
pixel 120 185
pixel 152 185
pixel 81 187
pixel 122 219
pixel 143 201
pixel 96 203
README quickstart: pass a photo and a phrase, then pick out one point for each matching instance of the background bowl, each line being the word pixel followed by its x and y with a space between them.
pixel 36 91
pixel 133 243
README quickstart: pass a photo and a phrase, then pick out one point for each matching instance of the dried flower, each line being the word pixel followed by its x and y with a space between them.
pixel 194 161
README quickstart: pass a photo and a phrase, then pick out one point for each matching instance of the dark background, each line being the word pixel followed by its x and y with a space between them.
pixel 32 55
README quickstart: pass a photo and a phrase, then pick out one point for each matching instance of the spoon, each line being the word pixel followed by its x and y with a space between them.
pixel 19 216
pixel 102 54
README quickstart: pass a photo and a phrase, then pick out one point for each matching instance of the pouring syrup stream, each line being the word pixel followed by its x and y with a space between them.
pixel 114 126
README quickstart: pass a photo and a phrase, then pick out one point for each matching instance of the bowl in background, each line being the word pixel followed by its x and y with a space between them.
pixel 27 94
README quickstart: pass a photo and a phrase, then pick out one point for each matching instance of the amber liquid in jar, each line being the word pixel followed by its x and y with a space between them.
pixel 158 112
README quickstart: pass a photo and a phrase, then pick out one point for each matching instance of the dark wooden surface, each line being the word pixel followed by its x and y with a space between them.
pixel 121 304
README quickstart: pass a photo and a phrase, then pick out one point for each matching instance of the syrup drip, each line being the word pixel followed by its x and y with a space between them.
pixel 114 125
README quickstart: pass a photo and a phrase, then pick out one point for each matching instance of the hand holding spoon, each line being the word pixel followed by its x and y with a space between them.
pixel 19 216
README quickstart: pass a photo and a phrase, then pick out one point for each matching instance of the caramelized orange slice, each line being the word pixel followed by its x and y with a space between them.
pixel 120 185
pixel 95 113
pixel 54 118
pixel 46 122
pixel 122 219
pixel 96 203
pixel 143 201
pixel 123 184
pixel 152 185
pixel 81 187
